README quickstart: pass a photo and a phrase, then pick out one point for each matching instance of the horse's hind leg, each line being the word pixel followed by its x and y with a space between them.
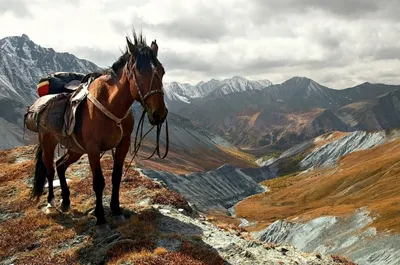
pixel 49 144
pixel 98 187
pixel 62 165
pixel 119 158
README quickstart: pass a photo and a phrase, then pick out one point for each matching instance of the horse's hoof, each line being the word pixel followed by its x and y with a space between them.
pixel 51 208
pixel 64 206
pixel 102 229
pixel 118 219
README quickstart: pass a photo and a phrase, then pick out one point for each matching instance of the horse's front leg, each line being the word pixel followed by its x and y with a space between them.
pixel 98 187
pixel 119 158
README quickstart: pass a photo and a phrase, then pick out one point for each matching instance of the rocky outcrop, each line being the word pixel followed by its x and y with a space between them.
pixel 328 235
pixel 330 153
pixel 218 189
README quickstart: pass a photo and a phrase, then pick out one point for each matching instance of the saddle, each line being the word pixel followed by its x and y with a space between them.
pixel 56 113
pixel 62 82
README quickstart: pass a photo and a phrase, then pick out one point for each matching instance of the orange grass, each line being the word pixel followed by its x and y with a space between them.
pixel 365 178
pixel 28 236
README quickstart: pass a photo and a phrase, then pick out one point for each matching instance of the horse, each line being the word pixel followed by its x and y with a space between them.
pixel 135 76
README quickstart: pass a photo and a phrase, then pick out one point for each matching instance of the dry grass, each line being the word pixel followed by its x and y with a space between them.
pixel 342 260
pixel 29 236
pixel 364 178
pixel 327 138
pixel 237 153
pixel 225 222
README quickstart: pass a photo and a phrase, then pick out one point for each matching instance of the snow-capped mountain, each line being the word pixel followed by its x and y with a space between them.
pixel 214 88
pixel 23 63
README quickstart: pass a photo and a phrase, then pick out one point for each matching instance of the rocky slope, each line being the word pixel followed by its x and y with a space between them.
pixel 346 204
pixel 330 153
pixel 218 189
pixel 161 228
pixel 325 150
pixel 380 113
pixel 351 237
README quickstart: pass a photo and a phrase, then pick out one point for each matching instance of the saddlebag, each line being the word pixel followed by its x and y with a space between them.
pixel 46 114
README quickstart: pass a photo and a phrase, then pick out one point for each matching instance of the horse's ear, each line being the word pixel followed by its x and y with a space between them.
pixel 131 47
pixel 154 47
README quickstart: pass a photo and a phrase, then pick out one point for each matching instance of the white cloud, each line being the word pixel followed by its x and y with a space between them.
pixel 338 45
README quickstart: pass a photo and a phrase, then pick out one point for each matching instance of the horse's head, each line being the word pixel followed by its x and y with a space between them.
pixel 145 73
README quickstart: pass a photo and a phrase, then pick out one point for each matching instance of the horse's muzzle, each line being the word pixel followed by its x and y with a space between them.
pixel 156 119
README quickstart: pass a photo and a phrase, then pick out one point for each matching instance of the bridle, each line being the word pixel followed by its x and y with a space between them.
pixel 130 72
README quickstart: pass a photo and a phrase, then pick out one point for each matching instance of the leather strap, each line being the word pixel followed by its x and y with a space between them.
pixel 105 111
pixel 109 114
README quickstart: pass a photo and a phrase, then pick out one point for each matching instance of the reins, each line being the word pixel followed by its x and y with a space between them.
pixel 130 71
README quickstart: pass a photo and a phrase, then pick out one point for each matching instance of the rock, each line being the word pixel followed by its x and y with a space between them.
pixel 217 189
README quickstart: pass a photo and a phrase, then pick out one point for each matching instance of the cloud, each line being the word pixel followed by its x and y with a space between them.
pixel 103 58
pixel 349 9
pixel 18 8
pixel 337 43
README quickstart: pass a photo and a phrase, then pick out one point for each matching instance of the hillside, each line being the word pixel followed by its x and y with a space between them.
pixel 380 113
pixel 350 199
pixel 279 116
pixel 192 148
pixel 161 227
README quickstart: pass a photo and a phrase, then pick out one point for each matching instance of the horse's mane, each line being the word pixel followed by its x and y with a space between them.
pixel 144 56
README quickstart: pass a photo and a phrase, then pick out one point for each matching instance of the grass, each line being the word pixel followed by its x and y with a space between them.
pixel 364 178
pixel 237 153
pixel 29 236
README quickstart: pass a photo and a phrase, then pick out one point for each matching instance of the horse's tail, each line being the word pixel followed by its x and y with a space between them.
pixel 39 178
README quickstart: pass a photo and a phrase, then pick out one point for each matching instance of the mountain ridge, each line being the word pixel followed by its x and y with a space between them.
pixel 26 62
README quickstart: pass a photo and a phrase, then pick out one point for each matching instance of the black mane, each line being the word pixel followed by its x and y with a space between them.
pixel 144 56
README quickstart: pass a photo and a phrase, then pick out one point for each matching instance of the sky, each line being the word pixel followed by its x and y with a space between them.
pixel 336 43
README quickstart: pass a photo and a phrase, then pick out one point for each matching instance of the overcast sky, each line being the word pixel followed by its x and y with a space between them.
pixel 337 43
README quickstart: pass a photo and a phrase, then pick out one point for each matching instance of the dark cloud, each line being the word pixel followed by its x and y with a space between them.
pixel 18 8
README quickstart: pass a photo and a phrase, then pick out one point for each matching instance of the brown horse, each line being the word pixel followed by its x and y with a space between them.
pixel 104 122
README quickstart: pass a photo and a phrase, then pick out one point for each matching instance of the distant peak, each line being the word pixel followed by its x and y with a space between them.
pixel 300 78
pixel 25 37
pixel 238 77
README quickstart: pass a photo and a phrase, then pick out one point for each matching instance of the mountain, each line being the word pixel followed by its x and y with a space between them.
pixel 23 63
pixel 282 115
pixel 179 93
pixel 380 113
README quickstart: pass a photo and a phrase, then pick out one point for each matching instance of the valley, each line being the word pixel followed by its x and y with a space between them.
pixel 296 166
